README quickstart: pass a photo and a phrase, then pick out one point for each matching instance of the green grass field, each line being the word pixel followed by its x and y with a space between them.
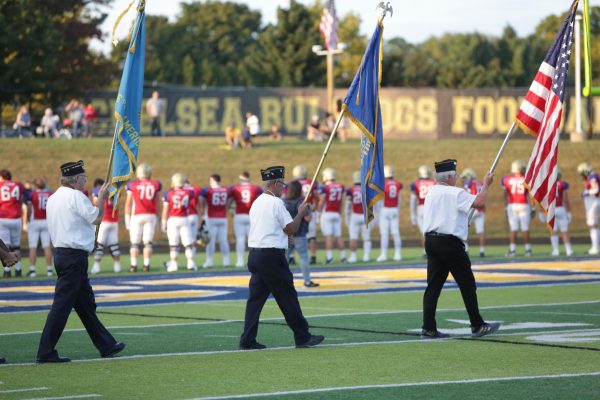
pixel 548 348
pixel 200 157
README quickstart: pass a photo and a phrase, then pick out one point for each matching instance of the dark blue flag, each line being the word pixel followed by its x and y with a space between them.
pixel 128 106
pixel 362 107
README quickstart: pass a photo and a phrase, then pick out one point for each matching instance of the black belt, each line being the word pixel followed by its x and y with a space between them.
pixel 68 250
pixel 439 234
pixel 266 249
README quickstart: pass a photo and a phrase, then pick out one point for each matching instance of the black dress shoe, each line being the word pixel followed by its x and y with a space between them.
pixel 312 342
pixel 115 350
pixel 53 359
pixel 435 334
pixel 255 346
pixel 2 360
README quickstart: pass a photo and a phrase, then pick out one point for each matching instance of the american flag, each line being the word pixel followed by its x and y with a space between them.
pixel 329 26
pixel 540 115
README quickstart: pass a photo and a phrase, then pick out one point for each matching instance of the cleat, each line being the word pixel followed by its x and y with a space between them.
pixel 329 261
pixel 95 269
pixel 398 257
pixel 132 269
pixel 171 266
pixel 485 329
pixel 312 342
pixel 31 274
pixel 192 268
pixel 366 259
pixel 117 268
pixel 313 260
pixel 555 253
pixel 352 258
pixel 146 268
pixel 435 334
pixel 6 274
pixel 311 284
pixel 240 265
pixel 482 254
pixel 528 253
pixel 207 265
pixel 511 253
pixel 592 252
pixel 343 260
pixel 381 258
pixel 569 253
pixel 255 346
pixel 18 273
pixel 50 273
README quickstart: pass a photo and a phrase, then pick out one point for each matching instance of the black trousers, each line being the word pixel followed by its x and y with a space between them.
pixel 271 274
pixel 155 127
pixel 446 254
pixel 73 290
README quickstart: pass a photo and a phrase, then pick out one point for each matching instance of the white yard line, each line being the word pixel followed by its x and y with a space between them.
pixel 401 385
pixel 23 390
pixel 315 316
pixel 351 344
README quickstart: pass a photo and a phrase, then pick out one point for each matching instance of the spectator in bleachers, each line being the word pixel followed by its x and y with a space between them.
pixel 76 115
pixel 89 115
pixel 276 133
pixel 23 122
pixel 232 135
pixel 49 125
pixel 314 131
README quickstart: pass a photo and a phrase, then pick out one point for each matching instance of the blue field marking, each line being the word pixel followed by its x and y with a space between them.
pixel 142 289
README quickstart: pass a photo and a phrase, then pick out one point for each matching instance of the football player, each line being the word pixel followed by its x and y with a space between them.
pixel 242 195
pixel 418 192
pixel 330 206
pixel 300 173
pixel 473 186
pixel 591 200
pixel 215 201
pixel 389 220
pixel 141 211
pixel 355 220
pixel 11 214
pixel 518 209
pixel 193 217
pixel 175 222
pixel 37 226
pixel 562 218
pixel 108 232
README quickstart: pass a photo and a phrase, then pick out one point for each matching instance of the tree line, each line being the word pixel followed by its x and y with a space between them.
pixel 45 50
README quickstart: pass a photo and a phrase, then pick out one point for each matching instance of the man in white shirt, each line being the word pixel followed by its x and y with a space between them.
pixel 271 227
pixel 445 223
pixel 71 223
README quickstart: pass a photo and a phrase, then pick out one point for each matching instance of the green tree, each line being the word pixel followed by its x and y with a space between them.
pixel 45 49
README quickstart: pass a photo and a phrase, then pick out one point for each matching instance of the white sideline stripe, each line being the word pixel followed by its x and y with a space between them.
pixel 23 390
pixel 351 344
pixel 80 396
pixel 315 316
pixel 400 385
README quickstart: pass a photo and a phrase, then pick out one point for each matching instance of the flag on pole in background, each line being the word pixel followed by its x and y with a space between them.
pixel 128 106
pixel 328 26
pixel 362 106
pixel 541 114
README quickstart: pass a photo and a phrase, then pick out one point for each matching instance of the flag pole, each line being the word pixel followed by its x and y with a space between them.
pixel 320 165
pixel 497 159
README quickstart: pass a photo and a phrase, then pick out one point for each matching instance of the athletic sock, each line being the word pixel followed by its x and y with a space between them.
pixel 329 254
pixel 554 242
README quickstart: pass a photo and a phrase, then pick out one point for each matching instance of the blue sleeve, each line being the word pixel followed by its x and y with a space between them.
pixel 204 192
pixel 165 197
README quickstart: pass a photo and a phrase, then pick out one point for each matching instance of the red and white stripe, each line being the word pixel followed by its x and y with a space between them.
pixel 328 26
pixel 533 108
pixel 542 172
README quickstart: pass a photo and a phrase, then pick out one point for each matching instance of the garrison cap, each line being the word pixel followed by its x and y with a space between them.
pixel 272 173
pixel 445 165
pixel 72 168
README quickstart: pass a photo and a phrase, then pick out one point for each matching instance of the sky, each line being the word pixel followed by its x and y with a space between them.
pixel 414 21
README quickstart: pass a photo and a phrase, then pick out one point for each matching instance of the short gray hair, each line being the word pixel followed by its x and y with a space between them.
pixel 444 176
pixel 68 180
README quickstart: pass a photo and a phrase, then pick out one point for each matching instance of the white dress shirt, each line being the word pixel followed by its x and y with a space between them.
pixel 268 217
pixel 70 215
pixel 446 210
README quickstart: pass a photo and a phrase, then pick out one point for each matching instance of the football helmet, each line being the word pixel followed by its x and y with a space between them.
pixel 143 170
pixel 388 171
pixel 299 172
pixel 584 169
pixel 518 167
pixel 329 174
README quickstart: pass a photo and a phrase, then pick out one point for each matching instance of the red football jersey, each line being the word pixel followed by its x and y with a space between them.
pixel 194 194
pixel 333 192
pixel 11 199
pixel 474 187
pixel 178 201
pixel 514 185
pixel 108 208
pixel 561 186
pixel 420 188
pixel 355 197
pixel 144 192
pixel 305 187
pixel 216 200
pixel 38 200
pixel 244 195
pixel 392 193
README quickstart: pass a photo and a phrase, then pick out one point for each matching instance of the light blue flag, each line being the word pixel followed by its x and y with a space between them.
pixel 362 107
pixel 128 107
